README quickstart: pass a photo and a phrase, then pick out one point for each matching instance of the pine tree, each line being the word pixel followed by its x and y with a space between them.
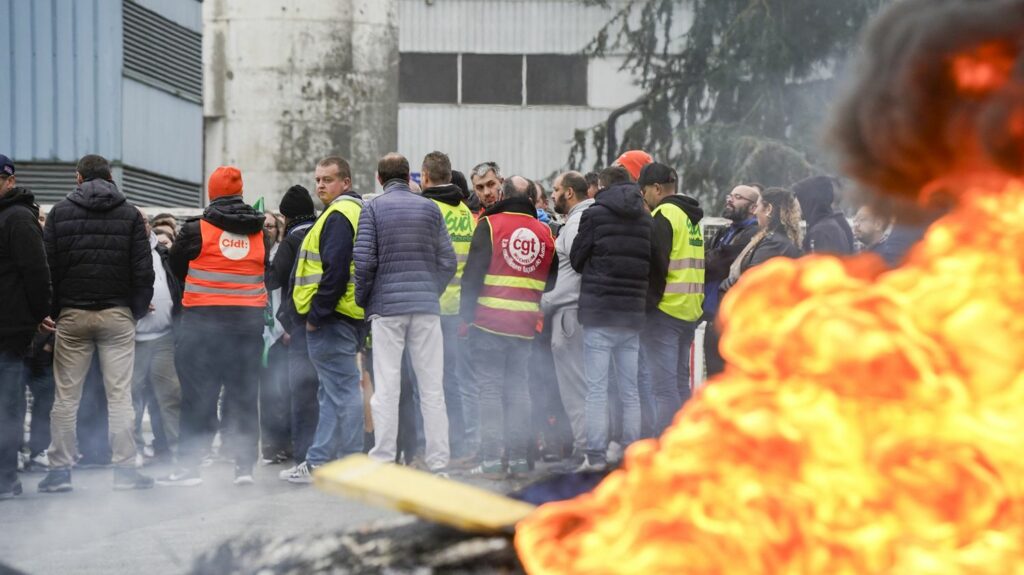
pixel 739 95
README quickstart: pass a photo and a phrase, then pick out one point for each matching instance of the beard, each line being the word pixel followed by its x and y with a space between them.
pixel 560 206
pixel 731 213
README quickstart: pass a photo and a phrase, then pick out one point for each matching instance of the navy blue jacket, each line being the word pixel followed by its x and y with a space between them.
pixel 404 257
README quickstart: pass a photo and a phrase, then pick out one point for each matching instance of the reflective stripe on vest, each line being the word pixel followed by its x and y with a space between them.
pixel 309 268
pixel 684 286
pixel 228 271
pixel 461 225
pixel 522 249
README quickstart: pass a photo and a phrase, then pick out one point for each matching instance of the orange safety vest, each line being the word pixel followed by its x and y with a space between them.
pixel 228 272
pixel 522 250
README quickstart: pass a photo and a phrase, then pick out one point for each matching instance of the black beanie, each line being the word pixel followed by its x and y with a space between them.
pixel 296 202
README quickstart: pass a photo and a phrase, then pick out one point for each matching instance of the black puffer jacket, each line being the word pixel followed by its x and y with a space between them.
pixel 613 252
pixel 98 251
pixel 24 275
pixel 232 214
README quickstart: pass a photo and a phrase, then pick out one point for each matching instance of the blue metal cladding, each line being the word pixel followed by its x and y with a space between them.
pixel 60 79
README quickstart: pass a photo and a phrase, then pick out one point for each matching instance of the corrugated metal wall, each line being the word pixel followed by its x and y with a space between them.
pixel 61 79
pixel 532 142
pixel 500 26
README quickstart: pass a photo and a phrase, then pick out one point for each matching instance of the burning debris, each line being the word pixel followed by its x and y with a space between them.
pixel 869 420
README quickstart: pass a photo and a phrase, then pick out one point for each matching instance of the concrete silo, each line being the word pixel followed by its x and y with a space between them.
pixel 287 82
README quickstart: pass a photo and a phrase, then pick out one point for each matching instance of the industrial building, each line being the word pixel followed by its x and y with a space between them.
pixel 120 78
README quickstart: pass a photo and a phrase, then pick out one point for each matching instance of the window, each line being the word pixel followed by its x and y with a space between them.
pixel 492 79
pixel 428 78
pixel 555 79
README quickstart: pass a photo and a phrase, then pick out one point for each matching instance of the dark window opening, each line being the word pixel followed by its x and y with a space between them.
pixel 428 78
pixel 556 79
pixel 492 79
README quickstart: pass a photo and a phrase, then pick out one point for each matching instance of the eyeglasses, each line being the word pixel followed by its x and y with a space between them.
pixel 737 197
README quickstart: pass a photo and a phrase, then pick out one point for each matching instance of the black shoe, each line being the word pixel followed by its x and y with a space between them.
pixel 126 478
pixel 56 481
pixel 10 490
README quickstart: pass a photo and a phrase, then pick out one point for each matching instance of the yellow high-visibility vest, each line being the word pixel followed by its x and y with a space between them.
pixel 309 269
pixel 461 225
pixel 684 285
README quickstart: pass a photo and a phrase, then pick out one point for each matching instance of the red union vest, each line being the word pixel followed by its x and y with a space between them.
pixel 522 250
pixel 228 271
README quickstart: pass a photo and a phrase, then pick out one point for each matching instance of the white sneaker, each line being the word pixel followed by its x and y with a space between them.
pixel 286 473
pixel 41 460
pixel 303 473
pixel 614 453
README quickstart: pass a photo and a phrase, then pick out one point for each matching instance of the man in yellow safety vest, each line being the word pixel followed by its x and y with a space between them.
pixel 436 178
pixel 676 289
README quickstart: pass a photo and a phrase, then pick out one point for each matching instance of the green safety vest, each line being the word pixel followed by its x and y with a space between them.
pixel 309 270
pixel 459 221
pixel 684 285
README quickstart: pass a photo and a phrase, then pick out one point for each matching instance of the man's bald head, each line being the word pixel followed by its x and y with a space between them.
pixel 740 203
pixel 515 187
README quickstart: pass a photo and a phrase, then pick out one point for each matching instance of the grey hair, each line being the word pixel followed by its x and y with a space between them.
pixel 480 170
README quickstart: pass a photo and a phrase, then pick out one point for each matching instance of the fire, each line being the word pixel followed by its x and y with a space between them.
pixel 869 421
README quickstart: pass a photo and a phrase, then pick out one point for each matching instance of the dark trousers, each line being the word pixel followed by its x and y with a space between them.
pixel 411 440
pixel 454 356
pixel 303 385
pixel 713 361
pixel 12 395
pixel 501 366
pixel 207 359
pixel 38 378
pixel 549 420
pixel 275 406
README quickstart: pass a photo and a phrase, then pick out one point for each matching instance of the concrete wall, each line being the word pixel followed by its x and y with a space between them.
pixel 287 82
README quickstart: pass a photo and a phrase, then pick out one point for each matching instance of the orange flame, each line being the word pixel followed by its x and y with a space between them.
pixel 869 421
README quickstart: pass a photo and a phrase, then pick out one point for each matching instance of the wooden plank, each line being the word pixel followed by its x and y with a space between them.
pixel 422 494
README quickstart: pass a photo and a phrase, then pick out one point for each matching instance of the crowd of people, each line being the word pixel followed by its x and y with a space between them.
pixel 460 325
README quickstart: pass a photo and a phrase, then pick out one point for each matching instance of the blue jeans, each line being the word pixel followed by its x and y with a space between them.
pixel 500 367
pixel 453 358
pixel 332 349
pixel 12 395
pixel 469 394
pixel 667 343
pixel 600 346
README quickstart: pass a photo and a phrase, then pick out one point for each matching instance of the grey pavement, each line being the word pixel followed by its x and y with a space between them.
pixel 95 530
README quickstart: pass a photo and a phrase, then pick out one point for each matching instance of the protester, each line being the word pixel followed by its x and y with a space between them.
pixel 487 180
pixel 676 290
pixel 325 297
pixel 221 259
pixel 274 402
pixel 102 273
pixel 404 262
pixel 24 305
pixel 593 184
pixel 154 372
pixel 511 263
pixel 304 411
pixel 880 233
pixel 562 305
pixel 718 257
pixel 778 220
pixel 437 186
pixel 633 161
pixel 612 252
pixel 828 232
